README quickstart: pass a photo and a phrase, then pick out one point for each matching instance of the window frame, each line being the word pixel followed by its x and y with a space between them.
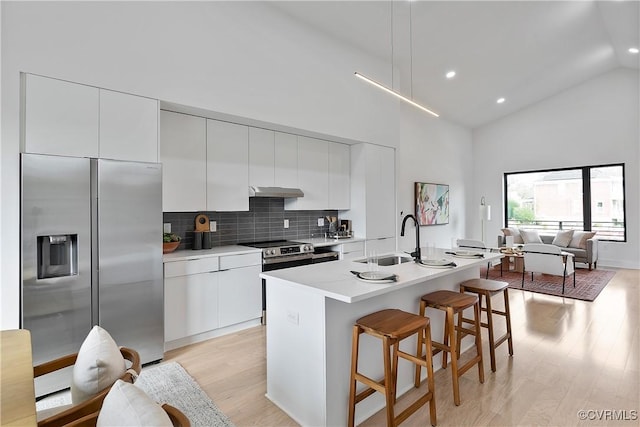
pixel 586 194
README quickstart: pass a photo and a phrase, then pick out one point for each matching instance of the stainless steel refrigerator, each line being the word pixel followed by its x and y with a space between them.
pixel 91 255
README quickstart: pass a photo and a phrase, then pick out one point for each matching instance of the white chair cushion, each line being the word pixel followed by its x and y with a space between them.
pixel 127 405
pixel 98 366
pixel 563 238
pixel 513 231
pixel 530 236
pixel 579 239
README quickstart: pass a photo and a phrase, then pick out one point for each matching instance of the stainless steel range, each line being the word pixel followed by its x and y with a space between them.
pixel 281 254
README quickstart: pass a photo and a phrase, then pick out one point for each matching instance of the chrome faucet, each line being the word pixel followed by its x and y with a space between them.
pixel 416 253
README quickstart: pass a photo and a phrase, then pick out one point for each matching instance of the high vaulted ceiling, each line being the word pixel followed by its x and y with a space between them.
pixel 524 51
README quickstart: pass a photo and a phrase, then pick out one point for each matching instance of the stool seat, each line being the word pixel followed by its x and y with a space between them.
pixel 392 323
pixel 449 299
pixel 488 288
pixel 391 326
pixel 453 303
pixel 479 285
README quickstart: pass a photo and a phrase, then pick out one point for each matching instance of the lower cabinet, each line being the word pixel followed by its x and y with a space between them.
pixel 190 305
pixel 350 250
pixel 204 295
pixel 240 291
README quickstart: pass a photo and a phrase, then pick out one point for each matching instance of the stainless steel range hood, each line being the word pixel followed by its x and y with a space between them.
pixel 275 192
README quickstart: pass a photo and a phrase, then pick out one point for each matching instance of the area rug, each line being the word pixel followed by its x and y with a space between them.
pixel 166 383
pixel 170 383
pixel 589 284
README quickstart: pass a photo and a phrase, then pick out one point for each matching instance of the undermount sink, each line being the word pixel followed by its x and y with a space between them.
pixel 388 260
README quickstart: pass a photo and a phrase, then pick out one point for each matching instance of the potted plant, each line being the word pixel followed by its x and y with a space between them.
pixel 170 242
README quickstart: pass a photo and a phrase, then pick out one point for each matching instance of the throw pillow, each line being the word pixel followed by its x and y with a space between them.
pixel 98 366
pixel 579 239
pixel 563 238
pixel 127 405
pixel 530 236
pixel 512 231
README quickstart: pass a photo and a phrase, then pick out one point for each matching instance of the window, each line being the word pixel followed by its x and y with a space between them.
pixel 587 198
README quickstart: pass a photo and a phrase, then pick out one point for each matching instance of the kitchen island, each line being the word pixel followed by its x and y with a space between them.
pixel 311 312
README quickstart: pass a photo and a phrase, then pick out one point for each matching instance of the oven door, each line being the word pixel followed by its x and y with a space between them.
pixel 324 255
pixel 278 263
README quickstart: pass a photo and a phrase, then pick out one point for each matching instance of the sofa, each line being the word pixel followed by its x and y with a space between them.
pixel 582 244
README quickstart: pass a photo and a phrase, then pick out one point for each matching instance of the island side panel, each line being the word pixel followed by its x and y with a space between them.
pixel 340 318
pixel 296 376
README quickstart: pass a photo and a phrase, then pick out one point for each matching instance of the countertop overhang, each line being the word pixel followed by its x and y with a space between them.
pixel 334 280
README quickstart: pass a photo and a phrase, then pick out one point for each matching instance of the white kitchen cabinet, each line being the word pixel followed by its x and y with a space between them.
pixel 373 201
pixel 261 157
pixel 350 250
pixel 183 153
pixel 60 118
pixel 240 289
pixel 339 180
pixel 128 127
pixel 285 160
pixel 190 297
pixel 227 166
pixel 313 175
pixel 381 245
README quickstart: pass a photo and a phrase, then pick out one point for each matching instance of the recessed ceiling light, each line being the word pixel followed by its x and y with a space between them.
pixel 451 74
pixel 633 50
pixel 500 100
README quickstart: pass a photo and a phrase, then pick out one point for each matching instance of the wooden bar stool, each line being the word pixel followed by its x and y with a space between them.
pixel 488 288
pixel 453 303
pixel 392 326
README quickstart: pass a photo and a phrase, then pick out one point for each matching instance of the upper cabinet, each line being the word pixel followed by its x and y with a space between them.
pixel 261 157
pixel 285 160
pixel 339 176
pixel 373 198
pixel 60 118
pixel 128 127
pixel 70 119
pixel 183 153
pixel 227 166
pixel 313 175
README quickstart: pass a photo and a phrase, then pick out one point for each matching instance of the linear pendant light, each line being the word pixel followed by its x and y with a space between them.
pixel 394 93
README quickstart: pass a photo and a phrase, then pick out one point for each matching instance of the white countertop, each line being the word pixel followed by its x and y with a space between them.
pixel 335 280
pixel 323 241
pixel 187 254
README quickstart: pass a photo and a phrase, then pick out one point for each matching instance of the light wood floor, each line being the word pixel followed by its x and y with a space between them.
pixel 569 355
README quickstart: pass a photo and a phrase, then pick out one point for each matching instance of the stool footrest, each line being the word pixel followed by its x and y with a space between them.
pixel 412 408
pixel 470 364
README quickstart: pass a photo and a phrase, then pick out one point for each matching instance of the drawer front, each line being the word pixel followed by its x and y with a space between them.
pixel 237 261
pixel 192 266
pixel 352 247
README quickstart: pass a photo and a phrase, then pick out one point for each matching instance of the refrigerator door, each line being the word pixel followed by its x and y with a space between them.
pixel 130 284
pixel 56 259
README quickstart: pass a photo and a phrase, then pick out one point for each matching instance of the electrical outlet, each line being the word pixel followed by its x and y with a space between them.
pixel 166 227
pixel 213 226
pixel 286 223
pixel 293 317
pixel 320 222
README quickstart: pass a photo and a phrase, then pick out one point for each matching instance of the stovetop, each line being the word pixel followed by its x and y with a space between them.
pixel 269 244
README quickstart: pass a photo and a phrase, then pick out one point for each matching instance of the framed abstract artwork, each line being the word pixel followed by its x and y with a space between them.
pixel 432 203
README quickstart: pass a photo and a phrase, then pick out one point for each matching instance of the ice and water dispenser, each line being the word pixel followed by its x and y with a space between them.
pixel 57 255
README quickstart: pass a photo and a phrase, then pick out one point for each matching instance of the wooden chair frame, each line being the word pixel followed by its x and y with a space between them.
pixel 89 406
pixel 178 419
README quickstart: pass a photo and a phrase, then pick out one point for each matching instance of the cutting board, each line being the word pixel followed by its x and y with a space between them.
pixel 202 223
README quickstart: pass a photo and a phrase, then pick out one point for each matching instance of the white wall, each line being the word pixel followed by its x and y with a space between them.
pixel 240 58
pixel 436 151
pixel 591 124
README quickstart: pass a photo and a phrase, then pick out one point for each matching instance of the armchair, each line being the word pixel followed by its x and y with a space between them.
pixel 476 244
pixel 95 371
pixel 548 259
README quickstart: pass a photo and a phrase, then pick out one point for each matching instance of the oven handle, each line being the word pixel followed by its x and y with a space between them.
pixel 278 260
